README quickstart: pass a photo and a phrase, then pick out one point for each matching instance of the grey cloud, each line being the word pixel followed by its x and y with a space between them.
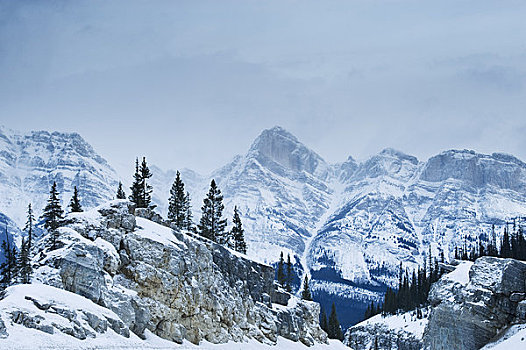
pixel 202 79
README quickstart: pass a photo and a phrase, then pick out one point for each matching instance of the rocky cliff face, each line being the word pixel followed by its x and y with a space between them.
pixel 467 316
pixel 475 304
pixel 172 284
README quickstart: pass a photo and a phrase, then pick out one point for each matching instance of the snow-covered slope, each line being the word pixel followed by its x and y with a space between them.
pixel 46 317
pixel 513 338
pixel 476 305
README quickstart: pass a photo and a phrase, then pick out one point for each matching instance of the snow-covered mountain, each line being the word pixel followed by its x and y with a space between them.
pixel 30 162
pixel 348 224
pixel 351 224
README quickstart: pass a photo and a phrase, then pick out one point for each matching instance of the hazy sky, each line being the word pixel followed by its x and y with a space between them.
pixel 192 83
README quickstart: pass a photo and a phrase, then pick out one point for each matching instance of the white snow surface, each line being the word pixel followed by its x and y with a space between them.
pixel 513 339
pixel 407 322
pixel 460 274
pixel 155 232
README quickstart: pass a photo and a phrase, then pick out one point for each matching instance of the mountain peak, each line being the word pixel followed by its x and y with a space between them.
pixel 391 152
pixel 278 131
pixel 278 147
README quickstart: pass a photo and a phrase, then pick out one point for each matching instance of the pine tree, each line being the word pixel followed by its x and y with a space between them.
pixel 53 216
pixel 137 187
pixel 375 346
pixel 305 293
pixel 24 263
pixel 188 223
pixel 29 227
pixel 74 204
pixel 120 192
pixel 146 191
pixel 212 225
pixel 281 272
pixel 492 249
pixel 521 244
pixel 7 268
pixel 177 203
pixel 323 320
pixel 505 248
pixel 368 312
pixel 288 277
pixel 237 236
pixel 335 330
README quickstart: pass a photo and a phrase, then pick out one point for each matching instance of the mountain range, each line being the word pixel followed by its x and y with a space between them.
pixel 348 225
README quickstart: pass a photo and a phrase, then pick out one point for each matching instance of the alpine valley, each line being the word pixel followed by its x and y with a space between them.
pixel 347 225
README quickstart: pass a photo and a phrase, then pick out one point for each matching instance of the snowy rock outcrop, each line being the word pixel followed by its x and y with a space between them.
pixel 471 309
pixel 396 332
pixel 174 285
pixel 475 304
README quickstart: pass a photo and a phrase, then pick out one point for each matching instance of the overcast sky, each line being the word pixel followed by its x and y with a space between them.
pixel 192 83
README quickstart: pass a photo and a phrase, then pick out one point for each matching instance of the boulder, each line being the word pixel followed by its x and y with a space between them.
pixel 3 330
pixel 82 271
pixel 467 316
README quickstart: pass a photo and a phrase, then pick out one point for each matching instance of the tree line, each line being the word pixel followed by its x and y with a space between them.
pixel 331 325
pixel 17 266
pixel 413 289
pixel 512 245
pixel 212 225
pixel 284 276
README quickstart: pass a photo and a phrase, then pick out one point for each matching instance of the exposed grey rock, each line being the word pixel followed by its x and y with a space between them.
pixel 501 276
pixel 81 270
pixel 41 306
pixel 99 325
pixel 70 315
pixel 301 324
pixel 3 330
pixel 76 331
pixel 280 296
pixel 521 311
pixel 28 321
pixel 363 337
pixel 468 317
pixel 516 297
pixel 118 327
